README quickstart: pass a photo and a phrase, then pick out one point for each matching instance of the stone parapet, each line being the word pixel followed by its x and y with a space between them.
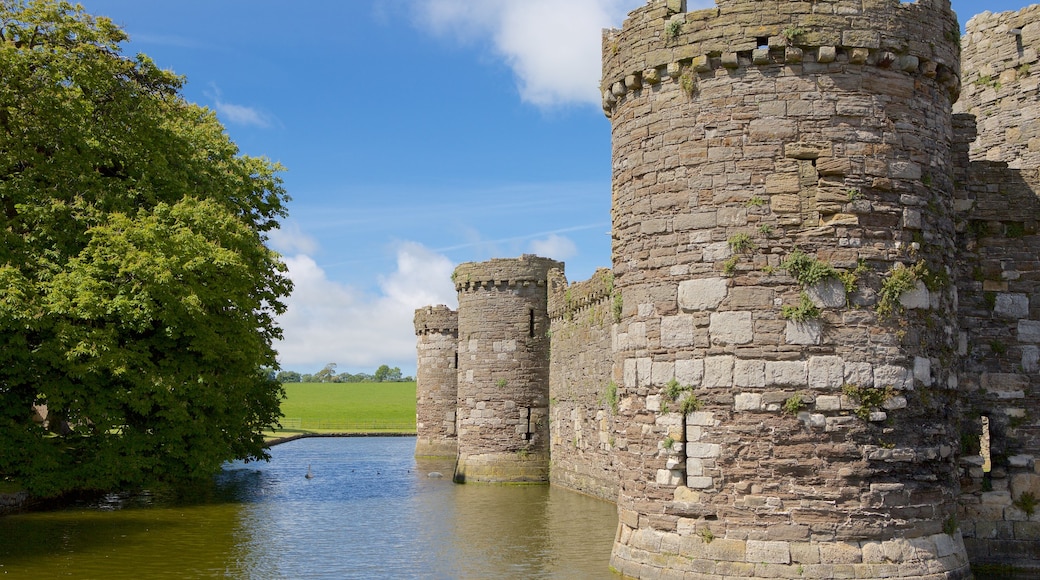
pixel 662 41
pixel 435 319
pixel 526 270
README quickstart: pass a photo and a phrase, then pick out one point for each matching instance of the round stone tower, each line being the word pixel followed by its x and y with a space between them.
pixel 436 381
pixel 781 222
pixel 503 384
pixel 1000 51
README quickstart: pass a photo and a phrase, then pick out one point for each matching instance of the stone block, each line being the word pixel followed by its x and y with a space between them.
pixel 637 372
pixel 768 552
pixel 732 216
pixel 772 129
pixel 724 550
pixel 732 327
pixel 669 477
pixel 828 403
pixel 749 373
pixel 661 373
pixel 805 553
pixel 892 376
pixel 678 331
pixel 715 252
pixel 827 293
pixel 778 183
pixel 826 372
pixel 805 333
pixel 747 402
pixel 695 221
pixel 1012 305
pixel 1030 358
pixel 701 419
pixel 1029 331
pixel 923 370
pixel 653 403
pixel 840 553
pixel 718 371
pixel 917 298
pixel 689 372
pixel 698 482
pixel 904 170
pixel 859 373
pixel 702 450
pixel 786 373
pixel 637 335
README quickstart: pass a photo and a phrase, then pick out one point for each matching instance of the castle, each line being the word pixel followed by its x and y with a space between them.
pixel 816 354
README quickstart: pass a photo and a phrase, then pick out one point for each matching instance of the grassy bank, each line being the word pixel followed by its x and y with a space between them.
pixel 347 408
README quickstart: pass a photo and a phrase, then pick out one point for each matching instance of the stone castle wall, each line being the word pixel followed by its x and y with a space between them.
pixel 436 380
pixel 998 282
pixel 1002 74
pixel 817 353
pixel 747 137
pixel 503 370
pixel 582 392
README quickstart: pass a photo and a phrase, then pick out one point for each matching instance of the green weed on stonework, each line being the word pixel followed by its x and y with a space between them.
pixel 805 310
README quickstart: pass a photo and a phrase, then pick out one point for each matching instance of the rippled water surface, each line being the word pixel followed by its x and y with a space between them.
pixel 370 511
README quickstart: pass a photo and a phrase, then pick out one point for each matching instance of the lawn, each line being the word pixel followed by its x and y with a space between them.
pixel 348 407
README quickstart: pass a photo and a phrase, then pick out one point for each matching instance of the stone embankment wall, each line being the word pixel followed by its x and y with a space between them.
pixel 781 178
pixel 436 386
pixel 582 393
pixel 503 385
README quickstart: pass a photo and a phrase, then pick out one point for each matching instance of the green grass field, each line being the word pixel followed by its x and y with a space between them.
pixel 348 407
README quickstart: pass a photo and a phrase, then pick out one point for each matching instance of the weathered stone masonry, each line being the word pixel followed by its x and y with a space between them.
pixel 437 329
pixel 825 291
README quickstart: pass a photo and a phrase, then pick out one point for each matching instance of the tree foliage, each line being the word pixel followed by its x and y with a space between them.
pixel 137 294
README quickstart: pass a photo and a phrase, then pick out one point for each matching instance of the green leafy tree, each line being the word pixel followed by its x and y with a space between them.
pixel 137 294
pixel 288 377
pixel 326 374
pixel 382 373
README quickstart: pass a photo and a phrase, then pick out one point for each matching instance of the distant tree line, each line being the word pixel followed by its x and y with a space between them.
pixel 384 374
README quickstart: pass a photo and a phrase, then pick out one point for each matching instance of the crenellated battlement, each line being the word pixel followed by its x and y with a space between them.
pixel 527 270
pixel 661 42
pixel 569 300
pixel 436 319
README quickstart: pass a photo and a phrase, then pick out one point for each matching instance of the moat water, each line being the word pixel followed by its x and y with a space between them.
pixel 369 511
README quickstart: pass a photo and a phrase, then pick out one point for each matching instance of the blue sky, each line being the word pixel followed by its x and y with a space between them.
pixel 417 134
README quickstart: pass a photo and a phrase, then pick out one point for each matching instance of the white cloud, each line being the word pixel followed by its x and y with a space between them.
pixel 553 46
pixel 554 246
pixel 237 114
pixel 327 321
pixel 290 239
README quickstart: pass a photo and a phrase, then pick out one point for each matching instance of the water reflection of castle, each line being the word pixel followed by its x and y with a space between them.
pixel 825 276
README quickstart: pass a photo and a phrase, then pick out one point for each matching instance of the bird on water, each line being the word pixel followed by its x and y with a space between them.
pixel 309 475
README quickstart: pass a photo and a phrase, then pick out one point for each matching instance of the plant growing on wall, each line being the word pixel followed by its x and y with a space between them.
pixel 682 394
pixel 805 310
pixel 868 398
pixel 675 29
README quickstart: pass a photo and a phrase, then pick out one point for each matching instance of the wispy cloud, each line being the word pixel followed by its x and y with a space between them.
pixel 237 114
pixel 554 246
pixel 327 321
pixel 478 241
pixel 290 239
pixel 553 46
